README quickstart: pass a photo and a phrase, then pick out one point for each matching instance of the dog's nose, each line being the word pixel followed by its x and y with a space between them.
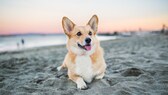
pixel 88 40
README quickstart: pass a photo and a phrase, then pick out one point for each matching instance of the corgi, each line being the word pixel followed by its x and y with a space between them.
pixel 84 59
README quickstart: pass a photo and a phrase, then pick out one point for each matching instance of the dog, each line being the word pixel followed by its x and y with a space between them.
pixel 84 59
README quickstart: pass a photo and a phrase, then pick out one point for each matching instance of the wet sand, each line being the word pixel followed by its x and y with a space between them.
pixel 135 65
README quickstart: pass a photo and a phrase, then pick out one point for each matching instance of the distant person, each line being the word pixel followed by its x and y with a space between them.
pixel 163 28
pixel 22 41
pixel 17 45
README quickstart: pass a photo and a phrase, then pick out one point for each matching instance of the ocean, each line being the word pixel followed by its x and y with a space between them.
pixel 19 42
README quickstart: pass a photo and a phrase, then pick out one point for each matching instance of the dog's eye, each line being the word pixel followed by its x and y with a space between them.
pixel 79 34
pixel 90 33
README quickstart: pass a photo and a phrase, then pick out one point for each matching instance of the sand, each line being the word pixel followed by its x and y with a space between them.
pixel 136 65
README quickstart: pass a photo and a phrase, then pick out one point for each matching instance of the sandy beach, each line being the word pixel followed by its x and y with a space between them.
pixel 136 65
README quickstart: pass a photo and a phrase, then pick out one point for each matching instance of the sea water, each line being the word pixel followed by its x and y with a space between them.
pixel 19 42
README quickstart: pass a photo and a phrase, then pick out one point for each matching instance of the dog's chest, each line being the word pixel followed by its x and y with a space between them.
pixel 84 67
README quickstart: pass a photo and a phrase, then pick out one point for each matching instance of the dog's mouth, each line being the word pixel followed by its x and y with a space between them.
pixel 86 47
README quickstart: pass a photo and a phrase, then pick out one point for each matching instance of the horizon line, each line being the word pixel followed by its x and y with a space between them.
pixel 51 33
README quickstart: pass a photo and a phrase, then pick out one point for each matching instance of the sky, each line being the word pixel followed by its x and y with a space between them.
pixel 45 16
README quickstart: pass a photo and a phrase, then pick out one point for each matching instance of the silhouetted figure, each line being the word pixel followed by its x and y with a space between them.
pixel 163 28
pixel 17 45
pixel 22 41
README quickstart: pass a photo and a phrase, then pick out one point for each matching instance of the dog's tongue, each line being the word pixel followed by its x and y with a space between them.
pixel 87 48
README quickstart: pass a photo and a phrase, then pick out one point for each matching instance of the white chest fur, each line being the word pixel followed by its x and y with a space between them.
pixel 84 68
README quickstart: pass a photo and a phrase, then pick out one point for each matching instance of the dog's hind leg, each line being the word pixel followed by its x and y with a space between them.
pixel 61 67
pixel 100 76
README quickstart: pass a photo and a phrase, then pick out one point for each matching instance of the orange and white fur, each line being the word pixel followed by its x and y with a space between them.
pixel 84 59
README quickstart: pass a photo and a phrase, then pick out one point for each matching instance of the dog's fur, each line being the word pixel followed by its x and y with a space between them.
pixel 84 62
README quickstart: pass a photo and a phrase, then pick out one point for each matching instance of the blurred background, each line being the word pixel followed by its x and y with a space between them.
pixel 34 23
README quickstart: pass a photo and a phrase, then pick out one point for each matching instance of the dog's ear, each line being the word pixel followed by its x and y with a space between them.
pixel 93 23
pixel 67 25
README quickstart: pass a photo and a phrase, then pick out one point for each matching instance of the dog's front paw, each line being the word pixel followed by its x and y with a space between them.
pixel 81 84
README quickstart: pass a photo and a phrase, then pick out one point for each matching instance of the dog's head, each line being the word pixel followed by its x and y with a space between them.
pixel 81 39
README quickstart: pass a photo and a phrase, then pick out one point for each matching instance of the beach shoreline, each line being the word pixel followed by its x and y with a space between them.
pixel 25 41
pixel 135 65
